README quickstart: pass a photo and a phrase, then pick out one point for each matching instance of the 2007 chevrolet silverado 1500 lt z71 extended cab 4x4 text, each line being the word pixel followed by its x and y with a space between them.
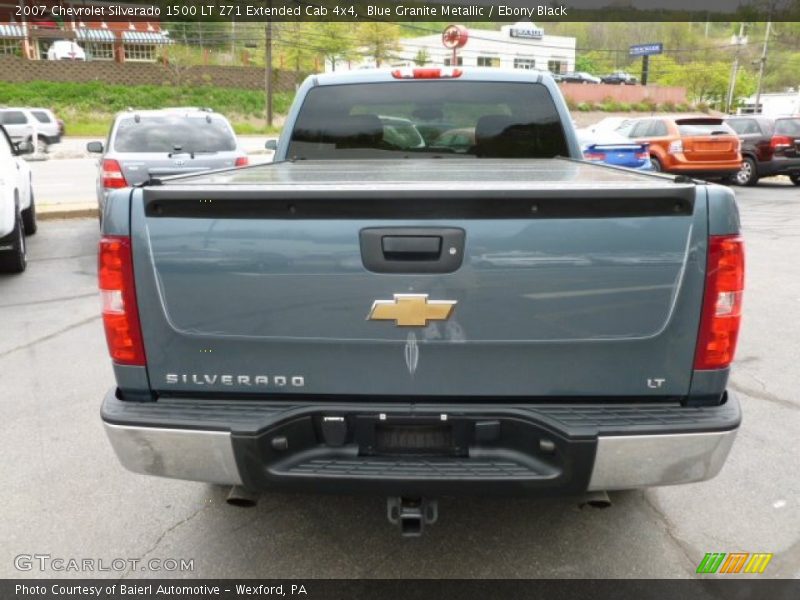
pixel 426 294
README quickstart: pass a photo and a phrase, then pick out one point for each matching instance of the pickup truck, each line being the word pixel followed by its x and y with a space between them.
pixel 488 314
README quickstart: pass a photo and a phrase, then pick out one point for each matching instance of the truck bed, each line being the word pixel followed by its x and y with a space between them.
pixel 456 174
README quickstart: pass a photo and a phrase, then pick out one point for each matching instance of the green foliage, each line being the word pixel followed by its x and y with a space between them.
pixel 584 106
pixel 381 40
pixel 334 41
pixel 596 63
pixel 88 108
pixel 422 58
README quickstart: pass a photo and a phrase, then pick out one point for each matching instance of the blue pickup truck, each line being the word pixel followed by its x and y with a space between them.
pixel 427 293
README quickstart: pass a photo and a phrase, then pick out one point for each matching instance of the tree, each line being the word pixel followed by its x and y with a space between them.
pixel 596 63
pixel 299 56
pixel 422 58
pixel 381 40
pixel 704 82
pixel 331 40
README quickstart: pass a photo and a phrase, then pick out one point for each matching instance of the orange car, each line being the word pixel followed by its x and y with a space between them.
pixel 704 146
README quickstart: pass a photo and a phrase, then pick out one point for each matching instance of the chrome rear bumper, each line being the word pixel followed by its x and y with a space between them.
pixel 589 447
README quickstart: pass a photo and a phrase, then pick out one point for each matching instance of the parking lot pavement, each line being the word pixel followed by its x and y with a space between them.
pixel 67 496
pixel 69 183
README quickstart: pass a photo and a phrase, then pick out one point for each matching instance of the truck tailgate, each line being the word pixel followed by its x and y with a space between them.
pixel 562 279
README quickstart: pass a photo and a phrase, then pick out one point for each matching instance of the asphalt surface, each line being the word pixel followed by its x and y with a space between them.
pixel 66 495
pixel 68 176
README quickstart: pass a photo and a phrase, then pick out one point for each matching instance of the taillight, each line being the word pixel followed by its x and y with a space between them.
pixel 242 161
pixel 676 147
pixel 722 303
pixel 118 295
pixel 598 156
pixel 644 155
pixel 112 175
pixel 426 73
pixel 778 142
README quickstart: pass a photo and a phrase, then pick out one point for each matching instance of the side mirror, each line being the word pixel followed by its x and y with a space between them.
pixel 271 145
pixel 95 147
pixel 24 147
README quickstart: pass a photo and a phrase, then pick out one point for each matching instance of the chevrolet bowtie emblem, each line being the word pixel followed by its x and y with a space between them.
pixel 411 310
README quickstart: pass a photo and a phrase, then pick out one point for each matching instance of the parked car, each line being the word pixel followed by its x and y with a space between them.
pixel 17 206
pixel 770 146
pixel 619 78
pixel 580 77
pixel 21 122
pixel 614 149
pixel 610 125
pixel 65 50
pixel 697 146
pixel 149 144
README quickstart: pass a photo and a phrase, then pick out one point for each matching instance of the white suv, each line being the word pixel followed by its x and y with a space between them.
pixel 17 208
pixel 20 124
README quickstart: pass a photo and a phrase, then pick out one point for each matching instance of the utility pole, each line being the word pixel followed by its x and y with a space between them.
pixel 740 41
pixel 268 74
pixel 763 62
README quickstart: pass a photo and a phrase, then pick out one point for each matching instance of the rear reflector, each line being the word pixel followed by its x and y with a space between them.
pixel 112 175
pixel 426 73
pixel 118 296
pixel 594 156
pixel 242 161
pixel 722 303
pixel 676 147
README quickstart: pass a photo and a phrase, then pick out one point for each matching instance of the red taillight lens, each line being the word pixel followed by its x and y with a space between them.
pixel 781 141
pixel 118 295
pixel 594 156
pixel 426 73
pixel 112 175
pixel 722 303
pixel 242 161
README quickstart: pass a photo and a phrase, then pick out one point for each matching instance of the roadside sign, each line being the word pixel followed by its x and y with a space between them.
pixel 646 49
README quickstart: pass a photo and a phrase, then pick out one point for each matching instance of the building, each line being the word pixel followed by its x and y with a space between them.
pixel 519 46
pixel 120 41
pixel 775 104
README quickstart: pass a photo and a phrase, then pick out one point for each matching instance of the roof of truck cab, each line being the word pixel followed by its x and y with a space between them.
pixel 467 74
pixel 428 174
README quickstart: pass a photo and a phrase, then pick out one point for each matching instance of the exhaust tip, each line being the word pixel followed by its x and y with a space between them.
pixel 595 500
pixel 241 497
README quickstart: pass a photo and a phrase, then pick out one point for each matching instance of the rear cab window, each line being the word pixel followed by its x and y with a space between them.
pixel 790 127
pixel 428 119
pixel 173 133
pixel 703 127
pixel 744 126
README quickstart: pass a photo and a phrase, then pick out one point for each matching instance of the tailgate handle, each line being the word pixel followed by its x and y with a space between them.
pixel 411 247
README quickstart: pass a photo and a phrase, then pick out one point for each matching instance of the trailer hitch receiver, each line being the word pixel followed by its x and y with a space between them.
pixel 411 514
